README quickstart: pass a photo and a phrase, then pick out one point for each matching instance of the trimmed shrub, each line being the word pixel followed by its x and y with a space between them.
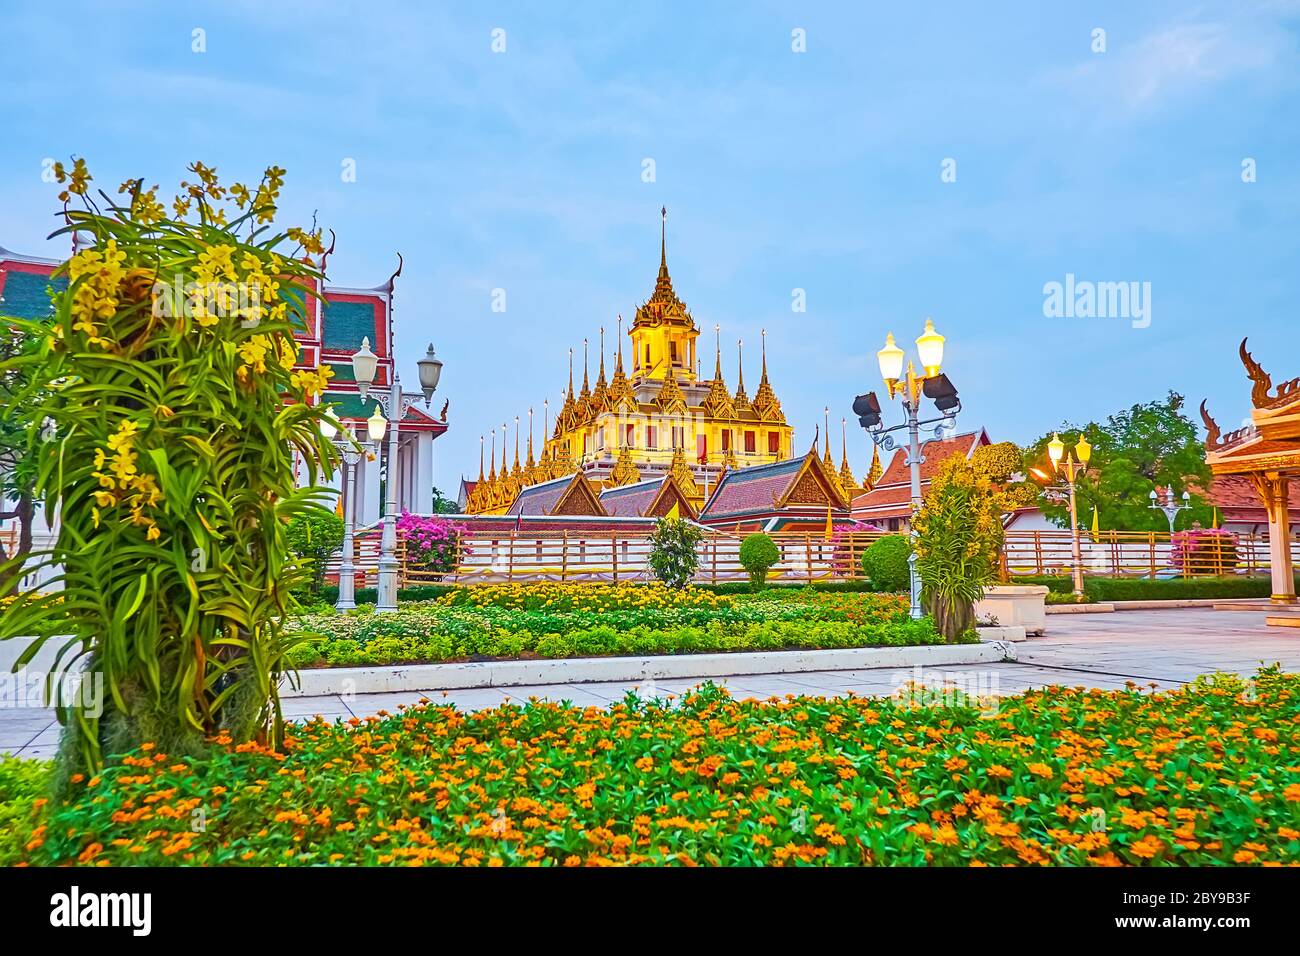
pixel 885 563
pixel 673 558
pixel 758 553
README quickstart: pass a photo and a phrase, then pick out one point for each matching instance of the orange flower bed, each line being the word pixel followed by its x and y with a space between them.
pixel 1208 774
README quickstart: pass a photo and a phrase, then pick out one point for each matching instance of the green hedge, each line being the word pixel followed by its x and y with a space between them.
pixel 329 594
pixel 404 647
pixel 1160 589
pixel 744 587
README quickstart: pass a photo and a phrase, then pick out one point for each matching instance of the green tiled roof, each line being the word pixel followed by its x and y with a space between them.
pixel 26 294
pixel 346 323
pixel 342 371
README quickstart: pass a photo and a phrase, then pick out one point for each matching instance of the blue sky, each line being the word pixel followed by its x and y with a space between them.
pixel 819 171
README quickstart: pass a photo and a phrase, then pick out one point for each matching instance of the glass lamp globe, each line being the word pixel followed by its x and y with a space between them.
pixel 430 371
pixel 365 364
pixel 376 426
pixel 1083 451
pixel 930 349
pixel 891 360
pixel 1056 450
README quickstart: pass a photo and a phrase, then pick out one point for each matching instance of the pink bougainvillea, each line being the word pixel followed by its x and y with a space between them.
pixel 1204 551
pixel 431 542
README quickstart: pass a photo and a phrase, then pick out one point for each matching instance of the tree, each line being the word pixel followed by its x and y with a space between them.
pixel 16 466
pixel 673 558
pixel 958 540
pixel 1144 447
pixel 443 505
pixel 758 553
pixel 313 537
pixel 163 408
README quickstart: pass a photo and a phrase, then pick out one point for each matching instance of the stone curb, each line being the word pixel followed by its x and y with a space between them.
pixel 320 681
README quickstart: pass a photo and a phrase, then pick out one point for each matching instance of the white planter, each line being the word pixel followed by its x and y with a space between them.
pixel 1015 605
pixel 316 681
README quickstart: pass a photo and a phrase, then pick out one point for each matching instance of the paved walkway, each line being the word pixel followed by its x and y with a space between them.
pixel 1166 648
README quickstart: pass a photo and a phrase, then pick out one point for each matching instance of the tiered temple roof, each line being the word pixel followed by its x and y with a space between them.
pixel 654 418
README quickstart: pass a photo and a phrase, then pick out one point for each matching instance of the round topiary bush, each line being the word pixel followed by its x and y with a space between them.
pixel 758 553
pixel 885 563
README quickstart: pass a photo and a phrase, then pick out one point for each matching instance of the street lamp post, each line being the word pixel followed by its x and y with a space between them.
pixel 364 366
pixel 351 453
pixel 1076 463
pixel 1171 508
pixel 909 388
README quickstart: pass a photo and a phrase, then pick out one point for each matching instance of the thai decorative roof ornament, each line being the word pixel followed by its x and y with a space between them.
pixel 766 403
pixel 663 306
pixel 680 472
pixel 670 398
pixel 718 402
pixel 620 389
pixel 847 478
pixel 875 471
pixel 625 471
pixel 741 400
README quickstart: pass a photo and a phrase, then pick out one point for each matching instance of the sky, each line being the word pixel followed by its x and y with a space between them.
pixel 892 161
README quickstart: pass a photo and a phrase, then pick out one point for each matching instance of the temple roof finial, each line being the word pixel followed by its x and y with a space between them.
pixel 663 240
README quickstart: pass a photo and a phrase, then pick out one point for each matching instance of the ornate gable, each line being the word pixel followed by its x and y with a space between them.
pixel 579 498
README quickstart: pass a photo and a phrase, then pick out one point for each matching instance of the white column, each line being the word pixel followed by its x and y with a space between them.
pixel 423 484
pixel 368 493
pixel 1279 541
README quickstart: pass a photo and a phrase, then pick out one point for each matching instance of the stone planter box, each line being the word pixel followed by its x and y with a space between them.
pixel 1015 605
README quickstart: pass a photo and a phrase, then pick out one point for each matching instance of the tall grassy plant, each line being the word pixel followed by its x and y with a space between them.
pixel 959 537
pixel 165 414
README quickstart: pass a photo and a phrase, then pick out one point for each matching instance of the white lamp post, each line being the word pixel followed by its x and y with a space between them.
pixel 909 387
pixel 365 364
pixel 351 454
pixel 1171 508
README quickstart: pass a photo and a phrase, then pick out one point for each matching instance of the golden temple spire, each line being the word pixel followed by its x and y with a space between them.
pixel 586 389
pixel 492 475
pixel 765 402
pixel 600 397
pixel 530 466
pixel 741 401
pixel 876 469
pixel 718 402
pixel 480 457
pixel 515 470
pixel 827 460
pixel 618 361
pixel 847 478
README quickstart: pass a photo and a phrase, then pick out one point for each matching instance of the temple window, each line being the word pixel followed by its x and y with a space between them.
pixel 751 442
pixel 630 436
pixel 651 437
pixel 774 443
pixel 679 437
pixel 726 439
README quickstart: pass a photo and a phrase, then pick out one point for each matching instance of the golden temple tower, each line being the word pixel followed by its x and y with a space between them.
pixel 656 415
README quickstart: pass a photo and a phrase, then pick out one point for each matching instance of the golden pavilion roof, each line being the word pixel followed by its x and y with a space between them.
pixel 663 306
